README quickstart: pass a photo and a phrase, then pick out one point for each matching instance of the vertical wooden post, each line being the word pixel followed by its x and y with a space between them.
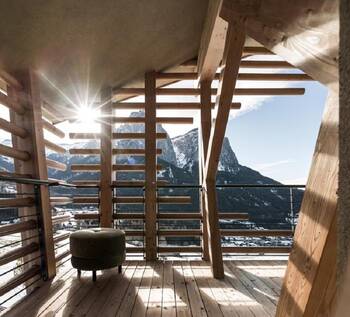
pixel 106 195
pixel 205 89
pixel 309 283
pixel 32 122
pixel 151 164
pixel 231 59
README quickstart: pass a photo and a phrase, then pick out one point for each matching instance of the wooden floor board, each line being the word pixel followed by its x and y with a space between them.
pixel 178 288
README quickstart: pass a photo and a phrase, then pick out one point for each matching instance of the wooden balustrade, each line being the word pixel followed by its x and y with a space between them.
pixel 54 147
pixel 19 279
pixel 14 153
pixel 54 130
pixel 13 128
pixel 18 227
pixel 17 202
pixel 56 165
pixel 17 253
pixel 60 218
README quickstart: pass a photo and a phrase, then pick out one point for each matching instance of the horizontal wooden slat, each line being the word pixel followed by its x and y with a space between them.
pixel 61 237
pixel 134 249
pixel 116 136
pixel 136 183
pixel 233 215
pixel 13 129
pixel 128 200
pixel 182 249
pixel 62 255
pixel 134 233
pixel 14 153
pixel 60 200
pixel 129 216
pixel 60 218
pixel 18 253
pixel 54 147
pixel 179 215
pixel 11 174
pixel 12 104
pixel 256 50
pixel 265 64
pixel 116 167
pixel 10 80
pixel 256 233
pixel 85 167
pixel 134 152
pixel 256 249
pixel 85 200
pixel 243 76
pixel 53 129
pixel 169 105
pixel 174 120
pixel 174 199
pixel 237 92
pixel 86 182
pixel 136 136
pixel 87 216
pixel 21 226
pixel 56 165
pixel 180 233
pixel 273 77
pixel 84 151
pixel 19 279
pixel 132 167
pixel 17 202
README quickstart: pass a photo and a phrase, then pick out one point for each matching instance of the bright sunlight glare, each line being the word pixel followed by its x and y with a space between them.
pixel 87 114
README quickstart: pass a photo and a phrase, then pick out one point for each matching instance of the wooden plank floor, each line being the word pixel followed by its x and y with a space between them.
pixel 170 288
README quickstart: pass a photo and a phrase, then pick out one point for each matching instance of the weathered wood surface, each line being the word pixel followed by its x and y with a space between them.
pixel 181 288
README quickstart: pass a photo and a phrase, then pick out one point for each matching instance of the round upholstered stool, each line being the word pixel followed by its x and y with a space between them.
pixel 97 249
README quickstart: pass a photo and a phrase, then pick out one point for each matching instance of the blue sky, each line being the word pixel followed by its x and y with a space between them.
pixel 278 137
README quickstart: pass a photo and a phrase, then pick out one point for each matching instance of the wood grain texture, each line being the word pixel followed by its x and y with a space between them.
pixel 307 278
pixel 151 166
pixel 106 205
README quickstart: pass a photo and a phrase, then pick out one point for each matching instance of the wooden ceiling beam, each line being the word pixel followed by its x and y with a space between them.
pixel 212 42
pixel 304 34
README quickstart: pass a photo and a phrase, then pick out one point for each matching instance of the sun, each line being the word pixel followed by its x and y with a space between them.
pixel 87 115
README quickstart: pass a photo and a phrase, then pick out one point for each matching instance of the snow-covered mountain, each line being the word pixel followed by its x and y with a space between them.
pixel 180 162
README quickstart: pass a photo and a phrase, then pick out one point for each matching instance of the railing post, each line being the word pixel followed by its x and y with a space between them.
pixel 31 121
pixel 106 195
pixel 151 166
pixel 203 139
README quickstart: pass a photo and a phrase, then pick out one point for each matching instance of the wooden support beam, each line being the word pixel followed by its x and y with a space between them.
pixel 312 262
pixel 179 215
pixel 129 200
pixel 171 105
pixel 151 166
pixel 305 35
pixel 18 253
pixel 85 200
pixel 164 120
pixel 237 92
pixel 241 76
pixel 106 194
pixel 212 42
pixel 265 64
pixel 37 166
pixel 232 55
pixel 205 128
pixel 256 50
pixel 233 215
